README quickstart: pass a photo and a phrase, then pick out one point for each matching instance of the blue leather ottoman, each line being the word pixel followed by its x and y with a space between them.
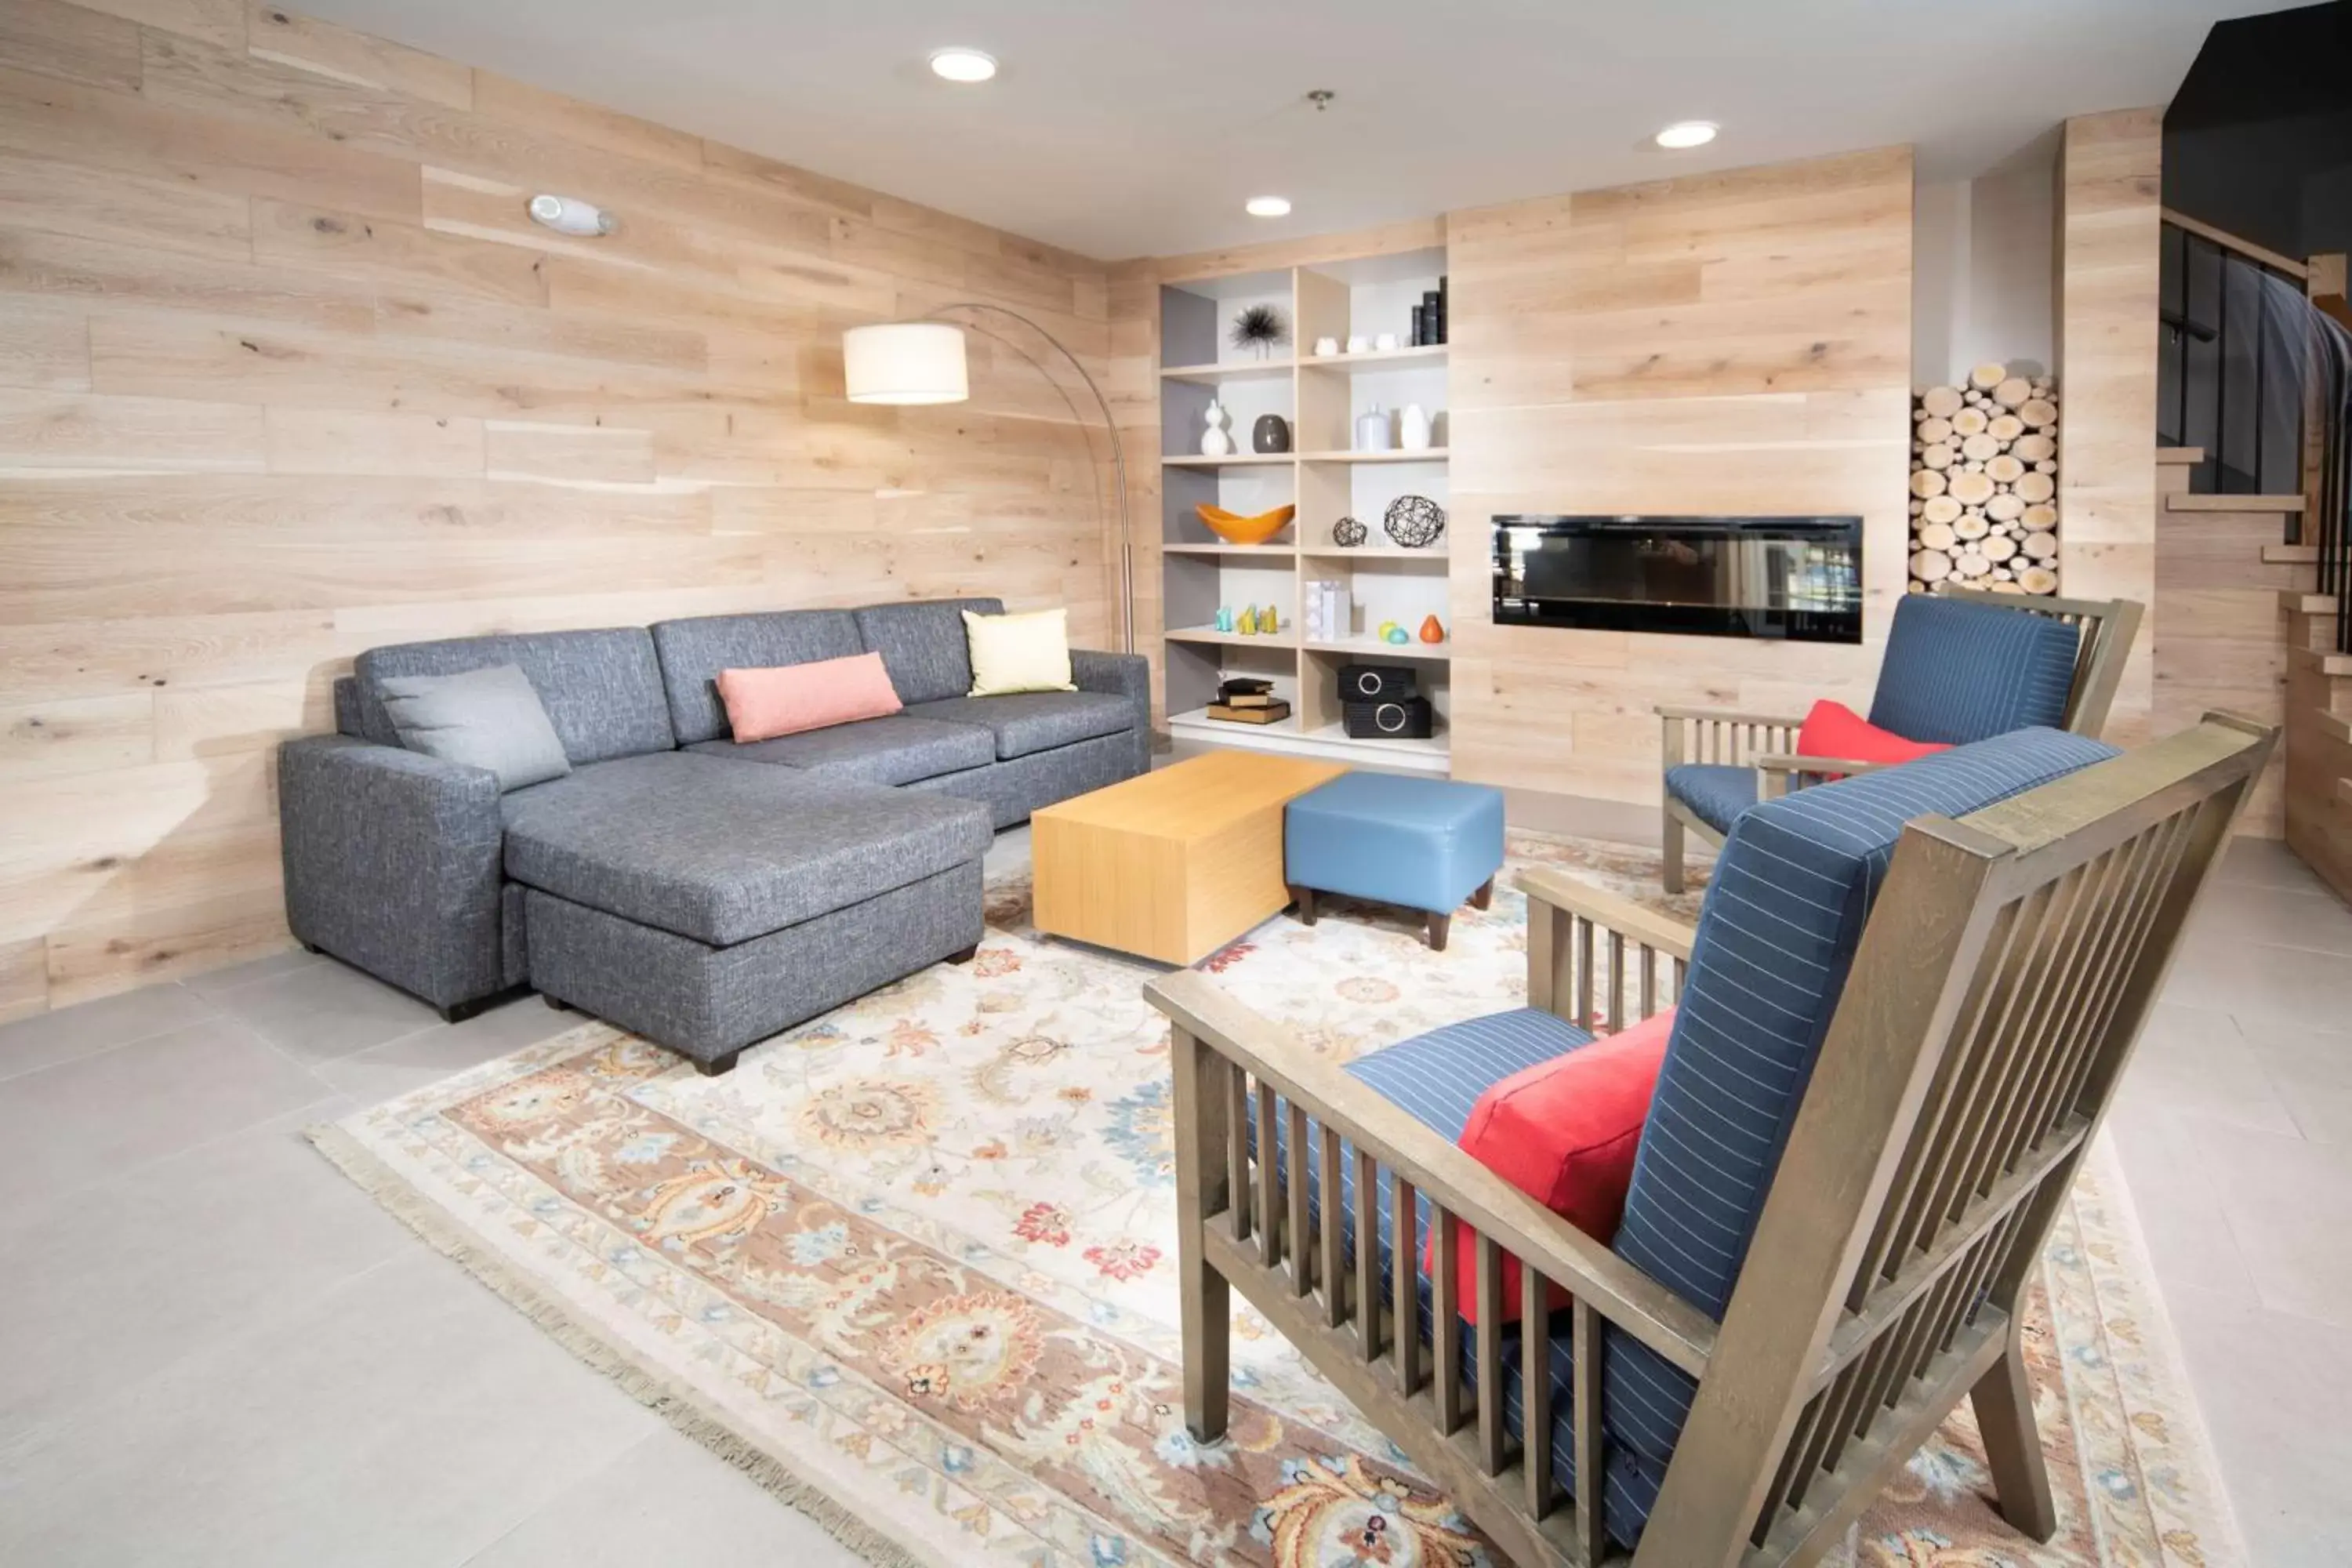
pixel 1426 844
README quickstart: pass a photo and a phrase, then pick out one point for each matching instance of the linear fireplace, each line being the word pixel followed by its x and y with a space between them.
pixel 1794 578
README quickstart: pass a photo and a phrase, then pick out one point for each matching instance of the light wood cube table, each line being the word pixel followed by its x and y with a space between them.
pixel 1174 864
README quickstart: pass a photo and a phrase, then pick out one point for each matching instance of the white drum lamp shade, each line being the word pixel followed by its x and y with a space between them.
pixel 905 362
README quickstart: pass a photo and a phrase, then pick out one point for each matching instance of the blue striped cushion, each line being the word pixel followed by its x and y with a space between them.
pixel 1785 910
pixel 1716 793
pixel 1437 1078
pixel 1957 672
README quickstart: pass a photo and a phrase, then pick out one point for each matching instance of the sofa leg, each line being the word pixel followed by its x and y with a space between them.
pixel 1439 927
pixel 1484 897
pixel 313 948
pixel 966 955
pixel 558 1002
pixel 464 1010
pixel 1306 900
pixel 713 1066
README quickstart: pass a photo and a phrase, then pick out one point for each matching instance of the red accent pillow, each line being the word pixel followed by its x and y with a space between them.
pixel 1564 1132
pixel 1834 729
pixel 762 704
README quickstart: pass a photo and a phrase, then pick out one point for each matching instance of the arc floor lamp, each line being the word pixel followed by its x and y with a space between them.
pixel 923 362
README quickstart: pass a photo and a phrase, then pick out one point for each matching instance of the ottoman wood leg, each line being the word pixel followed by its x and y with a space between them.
pixel 966 956
pixel 1439 926
pixel 717 1065
pixel 1306 897
pixel 1484 897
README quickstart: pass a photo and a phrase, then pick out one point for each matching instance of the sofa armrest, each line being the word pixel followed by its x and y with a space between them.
pixel 1127 675
pixel 392 863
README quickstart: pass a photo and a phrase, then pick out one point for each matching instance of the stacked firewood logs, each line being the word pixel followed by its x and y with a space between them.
pixel 1984 484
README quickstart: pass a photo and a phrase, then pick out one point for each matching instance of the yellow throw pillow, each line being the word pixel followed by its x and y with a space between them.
pixel 1019 653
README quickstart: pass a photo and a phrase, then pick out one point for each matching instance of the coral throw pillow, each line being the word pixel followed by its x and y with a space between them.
pixel 1019 653
pixel 1564 1132
pixel 1834 729
pixel 762 704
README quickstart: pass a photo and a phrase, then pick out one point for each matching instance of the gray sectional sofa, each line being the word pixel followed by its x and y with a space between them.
pixel 701 894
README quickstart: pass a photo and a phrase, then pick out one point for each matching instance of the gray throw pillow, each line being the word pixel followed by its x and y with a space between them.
pixel 483 718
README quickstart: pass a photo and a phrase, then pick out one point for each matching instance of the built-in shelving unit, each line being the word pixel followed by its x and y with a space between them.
pixel 1324 477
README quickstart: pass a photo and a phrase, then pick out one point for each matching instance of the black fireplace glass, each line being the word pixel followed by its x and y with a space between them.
pixel 1798 579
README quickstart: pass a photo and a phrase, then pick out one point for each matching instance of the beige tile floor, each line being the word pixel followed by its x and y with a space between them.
pixel 214 1350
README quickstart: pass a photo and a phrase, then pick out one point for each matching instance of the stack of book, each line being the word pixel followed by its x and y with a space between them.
pixel 1248 700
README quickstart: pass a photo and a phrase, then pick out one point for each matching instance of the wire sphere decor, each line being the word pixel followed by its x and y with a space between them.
pixel 1347 533
pixel 1414 521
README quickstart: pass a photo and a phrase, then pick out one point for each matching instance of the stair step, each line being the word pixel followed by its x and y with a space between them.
pixel 2290 555
pixel 2232 503
pixel 2344 792
pixel 2336 726
pixel 2295 601
pixel 2188 456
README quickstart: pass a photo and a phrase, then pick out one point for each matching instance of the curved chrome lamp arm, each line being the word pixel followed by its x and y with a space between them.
pixel 1110 424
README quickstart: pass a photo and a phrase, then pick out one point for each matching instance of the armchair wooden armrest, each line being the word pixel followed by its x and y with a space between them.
pixel 1727 716
pixel 1578 968
pixel 1455 1183
pixel 1779 772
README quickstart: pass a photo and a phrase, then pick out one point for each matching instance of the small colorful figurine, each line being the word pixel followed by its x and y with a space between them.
pixel 1397 634
pixel 1225 617
pixel 1431 631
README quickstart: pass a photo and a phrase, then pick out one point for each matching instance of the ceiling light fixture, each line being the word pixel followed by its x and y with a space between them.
pixel 1686 133
pixel 963 65
pixel 1267 207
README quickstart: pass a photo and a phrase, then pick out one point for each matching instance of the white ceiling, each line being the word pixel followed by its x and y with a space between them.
pixel 1119 130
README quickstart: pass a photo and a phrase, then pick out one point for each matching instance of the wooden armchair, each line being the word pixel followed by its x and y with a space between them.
pixel 1720 762
pixel 1994 996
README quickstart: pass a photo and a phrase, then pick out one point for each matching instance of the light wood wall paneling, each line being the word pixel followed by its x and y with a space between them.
pixel 286 372
pixel 2109 228
pixel 1733 342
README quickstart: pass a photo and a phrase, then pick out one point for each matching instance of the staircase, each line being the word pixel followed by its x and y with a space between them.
pixel 2219 580
pixel 2250 576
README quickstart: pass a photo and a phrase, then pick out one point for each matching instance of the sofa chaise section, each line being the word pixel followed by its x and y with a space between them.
pixel 710 901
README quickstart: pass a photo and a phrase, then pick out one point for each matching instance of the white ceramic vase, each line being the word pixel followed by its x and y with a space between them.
pixel 1372 430
pixel 1214 442
pixel 1413 428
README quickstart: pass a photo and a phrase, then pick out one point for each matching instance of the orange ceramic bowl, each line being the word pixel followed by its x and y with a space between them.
pixel 1237 529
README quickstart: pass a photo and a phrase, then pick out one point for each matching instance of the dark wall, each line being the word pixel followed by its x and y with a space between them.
pixel 2259 139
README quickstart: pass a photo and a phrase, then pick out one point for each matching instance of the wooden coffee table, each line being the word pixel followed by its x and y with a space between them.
pixel 1172 865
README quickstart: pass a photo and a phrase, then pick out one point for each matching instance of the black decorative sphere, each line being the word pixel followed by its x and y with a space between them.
pixel 1414 521
pixel 1347 533
pixel 1270 434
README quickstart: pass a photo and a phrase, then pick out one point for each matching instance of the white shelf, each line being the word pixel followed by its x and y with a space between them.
pixel 1428 454
pixel 1373 647
pixel 1283 553
pixel 1231 460
pixel 1240 370
pixel 1376 359
pixel 1430 557
pixel 1282 639
pixel 1330 742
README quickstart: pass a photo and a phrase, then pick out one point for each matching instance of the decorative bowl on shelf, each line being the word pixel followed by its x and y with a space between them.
pixel 1235 529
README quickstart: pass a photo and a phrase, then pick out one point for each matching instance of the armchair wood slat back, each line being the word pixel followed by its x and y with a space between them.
pixel 1999 987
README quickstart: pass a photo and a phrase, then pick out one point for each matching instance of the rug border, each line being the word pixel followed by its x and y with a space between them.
pixel 677 1404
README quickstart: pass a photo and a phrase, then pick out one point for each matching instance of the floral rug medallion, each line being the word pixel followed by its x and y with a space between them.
pixel 912 1265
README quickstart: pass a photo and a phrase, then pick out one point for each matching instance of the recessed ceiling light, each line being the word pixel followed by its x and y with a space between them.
pixel 1688 134
pixel 1267 207
pixel 963 65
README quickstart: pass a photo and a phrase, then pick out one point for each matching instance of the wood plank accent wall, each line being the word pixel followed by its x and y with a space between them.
pixel 285 372
pixel 1733 342
pixel 2109 229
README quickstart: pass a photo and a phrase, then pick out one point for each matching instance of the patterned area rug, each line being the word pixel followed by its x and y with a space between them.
pixel 912 1265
